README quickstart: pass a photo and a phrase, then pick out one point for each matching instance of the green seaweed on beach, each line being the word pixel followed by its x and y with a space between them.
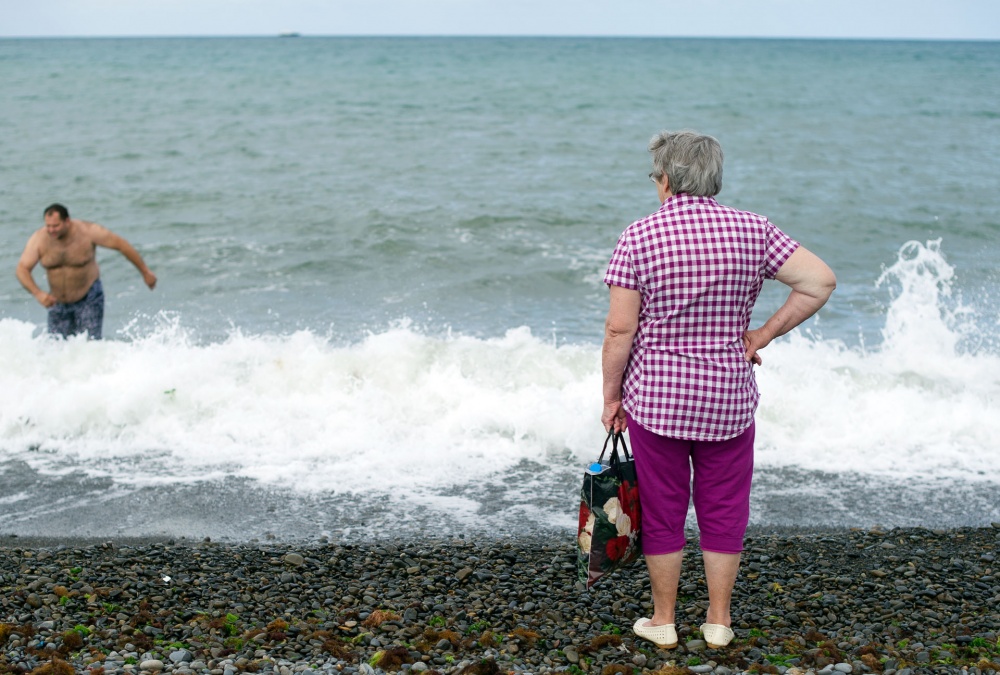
pixel 477 627
pixel 71 641
pixel 390 659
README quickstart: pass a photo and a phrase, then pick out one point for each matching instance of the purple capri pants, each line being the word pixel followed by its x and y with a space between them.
pixel 723 471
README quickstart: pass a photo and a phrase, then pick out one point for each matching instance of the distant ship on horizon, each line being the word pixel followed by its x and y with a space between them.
pixel 289 33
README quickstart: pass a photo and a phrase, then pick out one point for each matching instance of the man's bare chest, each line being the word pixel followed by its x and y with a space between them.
pixel 73 254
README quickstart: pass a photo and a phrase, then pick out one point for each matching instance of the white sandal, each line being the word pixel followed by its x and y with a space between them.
pixel 664 637
pixel 716 635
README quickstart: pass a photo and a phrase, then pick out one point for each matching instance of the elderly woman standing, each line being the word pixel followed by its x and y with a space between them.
pixel 678 363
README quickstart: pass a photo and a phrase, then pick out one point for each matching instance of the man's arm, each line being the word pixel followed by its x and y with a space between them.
pixel 102 236
pixel 812 282
pixel 619 331
pixel 29 258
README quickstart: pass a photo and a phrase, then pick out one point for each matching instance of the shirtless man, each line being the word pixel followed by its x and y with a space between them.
pixel 66 248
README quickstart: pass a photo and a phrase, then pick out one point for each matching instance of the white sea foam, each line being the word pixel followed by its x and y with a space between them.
pixel 398 409
pixel 916 406
pixel 403 411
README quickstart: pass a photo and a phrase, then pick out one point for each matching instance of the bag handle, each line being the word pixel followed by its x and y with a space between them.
pixel 615 437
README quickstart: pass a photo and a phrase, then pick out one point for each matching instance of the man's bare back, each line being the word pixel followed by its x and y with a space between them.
pixel 66 248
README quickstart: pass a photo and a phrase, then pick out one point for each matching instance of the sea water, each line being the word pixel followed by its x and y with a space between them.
pixel 380 303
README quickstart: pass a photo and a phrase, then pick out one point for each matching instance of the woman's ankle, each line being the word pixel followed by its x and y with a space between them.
pixel 661 619
pixel 721 618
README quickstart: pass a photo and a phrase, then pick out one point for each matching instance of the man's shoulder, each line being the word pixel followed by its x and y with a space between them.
pixel 38 238
pixel 84 225
pixel 87 231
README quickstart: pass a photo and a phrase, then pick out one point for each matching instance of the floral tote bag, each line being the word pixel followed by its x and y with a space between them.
pixel 610 515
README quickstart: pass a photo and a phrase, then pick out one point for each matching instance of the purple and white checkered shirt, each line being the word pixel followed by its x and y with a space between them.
pixel 699 267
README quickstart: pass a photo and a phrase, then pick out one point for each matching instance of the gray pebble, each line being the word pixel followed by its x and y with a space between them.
pixel 294 559
pixel 181 656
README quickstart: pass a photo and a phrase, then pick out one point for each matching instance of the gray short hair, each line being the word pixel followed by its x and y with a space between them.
pixel 691 161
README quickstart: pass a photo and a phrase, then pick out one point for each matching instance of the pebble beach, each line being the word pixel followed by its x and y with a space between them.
pixel 903 601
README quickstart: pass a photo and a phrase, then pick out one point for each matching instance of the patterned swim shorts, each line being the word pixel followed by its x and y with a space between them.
pixel 83 316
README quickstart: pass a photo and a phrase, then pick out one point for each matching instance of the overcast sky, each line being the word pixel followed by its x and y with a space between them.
pixel 921 19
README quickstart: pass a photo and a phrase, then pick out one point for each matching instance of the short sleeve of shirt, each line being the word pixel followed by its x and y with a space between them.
pixel 621 272
pixel 779 247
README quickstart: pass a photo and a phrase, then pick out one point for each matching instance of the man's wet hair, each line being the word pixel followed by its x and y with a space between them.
pixel 58 208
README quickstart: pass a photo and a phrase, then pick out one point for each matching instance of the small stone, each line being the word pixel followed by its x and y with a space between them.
pixel 696 645
pixel 463 573
pixel 703 668
pixel 571 655
pixel 419 666
pixel 844 668
pixel 33 600
pixel 151 664
pixel 181 656
pixel 294 559
pixel 639 660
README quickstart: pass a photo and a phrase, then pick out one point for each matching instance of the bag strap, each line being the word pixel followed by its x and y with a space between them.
pixel 615 438
pixel 611 434
pixel 621 437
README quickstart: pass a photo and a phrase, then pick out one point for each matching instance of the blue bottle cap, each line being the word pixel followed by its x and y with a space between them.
pixel 596 467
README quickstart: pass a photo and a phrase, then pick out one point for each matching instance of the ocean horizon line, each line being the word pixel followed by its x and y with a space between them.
pixel 284 35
